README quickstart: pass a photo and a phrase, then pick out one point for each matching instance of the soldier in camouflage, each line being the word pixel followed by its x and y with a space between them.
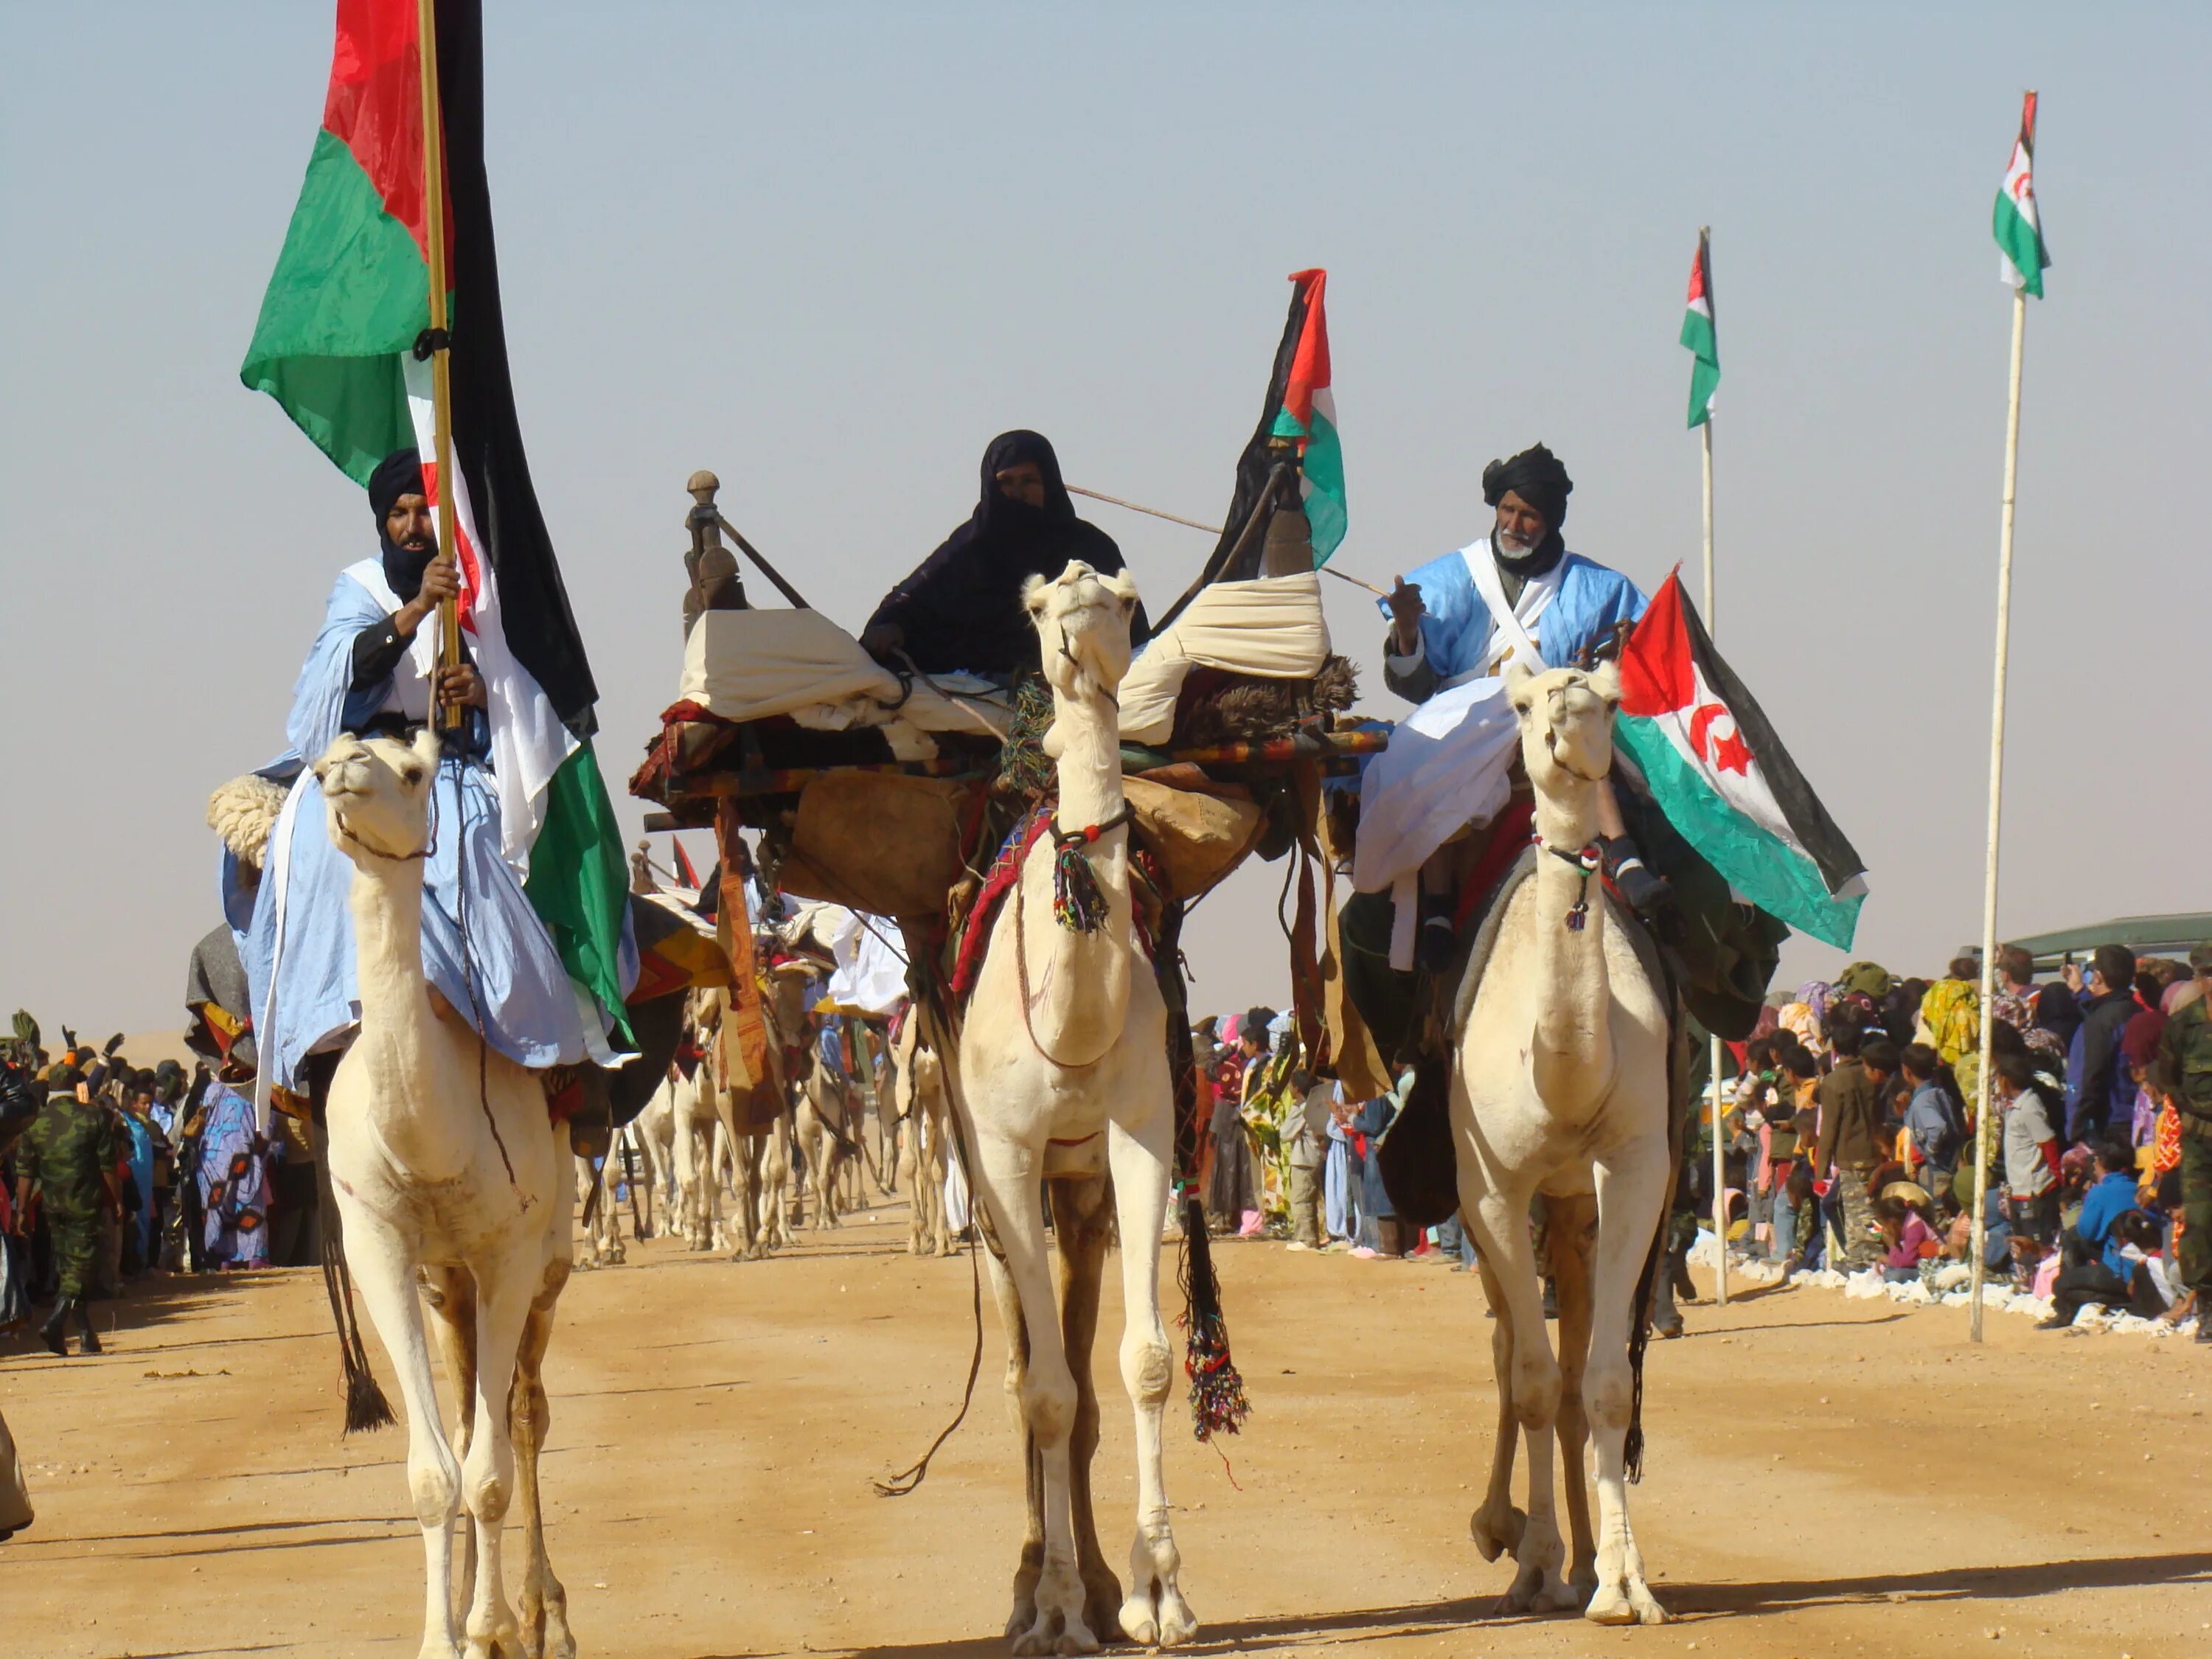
pixel 2185 1071
pixel 67 1155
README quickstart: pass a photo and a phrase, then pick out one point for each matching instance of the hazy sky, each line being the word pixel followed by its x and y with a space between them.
pixel 830 251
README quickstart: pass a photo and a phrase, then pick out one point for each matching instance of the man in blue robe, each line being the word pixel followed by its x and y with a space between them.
pixel 1515 593
pixel 374 670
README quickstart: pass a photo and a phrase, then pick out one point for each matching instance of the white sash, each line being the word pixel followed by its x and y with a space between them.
pixel 1509 625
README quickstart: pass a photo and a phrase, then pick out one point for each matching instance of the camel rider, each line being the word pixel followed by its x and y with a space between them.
pixel 373 670
pixel 961 610
pixel 1516 593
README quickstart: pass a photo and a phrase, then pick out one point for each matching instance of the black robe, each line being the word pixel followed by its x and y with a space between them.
pixel 962 609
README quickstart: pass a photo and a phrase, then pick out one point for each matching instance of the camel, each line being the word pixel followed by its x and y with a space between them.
pixel 918 1092
pixel 1561 1088
pixel 444 1164
pixel 603 1239
pixel 1061 1083
pixel 759 1162
pixel 690 1106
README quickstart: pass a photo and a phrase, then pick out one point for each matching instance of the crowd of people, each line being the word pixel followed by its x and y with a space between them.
pixel 110 1171
pixel 1848 1137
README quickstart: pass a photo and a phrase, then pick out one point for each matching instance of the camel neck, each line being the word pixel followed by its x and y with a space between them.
pixel 397 1020
pixel 1572 1052
pixel 1079 982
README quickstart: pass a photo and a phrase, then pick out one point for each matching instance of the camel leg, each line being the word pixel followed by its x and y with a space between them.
pixel 1081 1214
pixel 377 1258
pixel 503 1307
pixel 778 1183
pixel 1155 1613
pixel 1573 1237
pixel 1049 1400
pixel 1029 1565
pixel 1632 1189
pixel 1501 1219
pixel 545 1610
pixel 686 1161
pixel 452 1295
pixel 1497 1527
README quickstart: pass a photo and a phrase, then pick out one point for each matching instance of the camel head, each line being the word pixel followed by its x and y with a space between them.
pixel 378 792
pixel 1082 622
pixel 1566 723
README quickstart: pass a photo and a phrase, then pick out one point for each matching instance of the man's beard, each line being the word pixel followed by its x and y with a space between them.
pixel 404 566
pixel 1511 546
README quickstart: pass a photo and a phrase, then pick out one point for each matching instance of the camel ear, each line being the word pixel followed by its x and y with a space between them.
pixel 1123 587
pixel 1033 595
pixel 1517 674
pixel 427 746
pixel 1605 680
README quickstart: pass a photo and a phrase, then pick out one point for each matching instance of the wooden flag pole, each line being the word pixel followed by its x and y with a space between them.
pixel 1996 808
pixel 441 388
pixel 1720 1167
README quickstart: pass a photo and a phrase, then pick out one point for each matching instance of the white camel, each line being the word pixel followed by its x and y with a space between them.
pixel 1561 1088
pixel 690 1106
pixel 1061 1082
pixel 472 1190
pixel 918 1094
pixel 603 1244
pixel 759 1160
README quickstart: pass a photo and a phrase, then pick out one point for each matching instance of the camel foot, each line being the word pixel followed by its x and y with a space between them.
pixel 1627 1600
pixel 1538 1589
pixel 1494 1533
pixel 545 1634
pixel 1157 1616
pixel 1055 1633
pixel 438 1647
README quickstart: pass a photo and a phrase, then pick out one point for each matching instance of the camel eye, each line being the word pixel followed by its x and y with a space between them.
pixel 1520 706
pixel 410 775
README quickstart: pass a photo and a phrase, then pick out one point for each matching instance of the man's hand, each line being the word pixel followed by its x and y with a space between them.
pixel 441 580
pixel 460 686
pixel 1405 612
pixel 882 639
pixel 2071 974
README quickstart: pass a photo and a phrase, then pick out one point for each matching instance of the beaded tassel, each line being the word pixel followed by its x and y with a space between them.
pixel 1078 902
pixel 1218 1403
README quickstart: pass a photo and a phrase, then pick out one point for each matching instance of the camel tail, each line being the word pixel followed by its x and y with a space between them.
pixel 365 1408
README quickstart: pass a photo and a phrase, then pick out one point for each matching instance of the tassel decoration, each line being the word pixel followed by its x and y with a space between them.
pixel 1078 903
pixel 1218 1402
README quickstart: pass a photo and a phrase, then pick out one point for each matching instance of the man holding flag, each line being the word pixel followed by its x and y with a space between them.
pixel 526 929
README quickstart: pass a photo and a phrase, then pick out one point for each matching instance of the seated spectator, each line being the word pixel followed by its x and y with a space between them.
pixel 2138 1284
pixel 1934 1121
pixel 1906 1239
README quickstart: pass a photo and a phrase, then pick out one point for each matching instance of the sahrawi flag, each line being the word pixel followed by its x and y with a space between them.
pixel 1724 779
pixel 1699 335
pixel 335 346
pixel 1307 415
pixel 2018 226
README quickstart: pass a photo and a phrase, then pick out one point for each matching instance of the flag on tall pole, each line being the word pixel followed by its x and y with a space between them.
pixel 1699 336
pixel 2019 233
pixel 1306 417
pixel 2018 224
pixel 342 345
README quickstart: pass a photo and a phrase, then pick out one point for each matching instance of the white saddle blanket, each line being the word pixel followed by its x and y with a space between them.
pixel 1273 628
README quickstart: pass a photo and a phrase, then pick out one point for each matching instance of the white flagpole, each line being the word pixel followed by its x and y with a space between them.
pixel 1720 1168
pixel 1996 807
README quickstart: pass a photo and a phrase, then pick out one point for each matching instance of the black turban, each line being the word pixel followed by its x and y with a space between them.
pixel 1536 476
pixel 399 473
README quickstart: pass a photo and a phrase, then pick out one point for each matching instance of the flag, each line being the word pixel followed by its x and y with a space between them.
pixel 335 346
pixel 1306 417
pixel 1721 777
pixel 1699 336
pixel 2018 225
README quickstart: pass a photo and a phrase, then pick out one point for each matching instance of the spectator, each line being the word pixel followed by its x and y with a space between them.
pixel 1906 1238
pixel 2125 1274
pixel 1934 1122
pixel 2184 1070
pixel 1851 1139
pixel 1951 1013
pixel 2031 1164
pixel 2016 996
pixel 2093 1059
pixel 1390 1237
pixel 1305 1144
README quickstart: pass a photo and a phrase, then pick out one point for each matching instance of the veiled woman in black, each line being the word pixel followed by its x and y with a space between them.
pixel 962 610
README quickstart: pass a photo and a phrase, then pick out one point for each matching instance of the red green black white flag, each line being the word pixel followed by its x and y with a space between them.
pixel 1307 417
pixel 2018 223
pixel 335 346
pixel 1723 778
pixel 1700 336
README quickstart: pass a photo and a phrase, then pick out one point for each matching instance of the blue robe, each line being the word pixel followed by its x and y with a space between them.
pixel 298 948
pixel 1450 762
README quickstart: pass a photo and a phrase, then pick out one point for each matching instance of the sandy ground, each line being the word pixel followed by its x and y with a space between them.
pixel 1825 1476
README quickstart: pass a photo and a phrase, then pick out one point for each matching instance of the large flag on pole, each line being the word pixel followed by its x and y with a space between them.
pixel 1723 779
pixel 2018 223
pixel 336 347
pixel 1306 417
pixel 1699 335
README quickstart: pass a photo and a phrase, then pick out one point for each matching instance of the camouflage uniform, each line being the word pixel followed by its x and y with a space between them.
pixel 67 1153
pixel 2184 1070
